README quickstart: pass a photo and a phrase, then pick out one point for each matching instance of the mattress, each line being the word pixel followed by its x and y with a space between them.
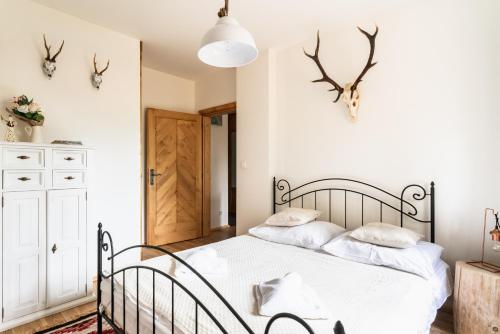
pixel 367 299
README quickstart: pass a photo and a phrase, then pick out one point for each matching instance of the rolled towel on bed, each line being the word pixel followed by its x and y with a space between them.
pixel 289 294
pixel 205 261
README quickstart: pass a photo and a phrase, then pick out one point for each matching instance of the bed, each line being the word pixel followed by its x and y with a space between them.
pixel 366 298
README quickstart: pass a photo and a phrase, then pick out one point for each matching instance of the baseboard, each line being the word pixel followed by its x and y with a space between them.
pixel 43 313
pixel 219 228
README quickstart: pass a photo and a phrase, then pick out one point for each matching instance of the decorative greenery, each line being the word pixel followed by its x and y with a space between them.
pixel 25 109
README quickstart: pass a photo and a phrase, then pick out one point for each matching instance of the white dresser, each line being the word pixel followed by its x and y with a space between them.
pixel 44 230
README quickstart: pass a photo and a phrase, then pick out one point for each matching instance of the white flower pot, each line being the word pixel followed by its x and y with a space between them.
pixel 35 133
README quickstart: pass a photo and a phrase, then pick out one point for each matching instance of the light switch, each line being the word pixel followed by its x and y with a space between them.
pixel 243 164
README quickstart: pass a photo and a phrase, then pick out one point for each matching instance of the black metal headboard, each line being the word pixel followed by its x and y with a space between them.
pixel 404 205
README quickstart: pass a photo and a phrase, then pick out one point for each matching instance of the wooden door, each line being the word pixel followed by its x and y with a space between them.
pixel 66 245
pixel 24 253
pixel 174 182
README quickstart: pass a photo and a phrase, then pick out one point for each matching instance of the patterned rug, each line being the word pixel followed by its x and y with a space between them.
pixel 86 324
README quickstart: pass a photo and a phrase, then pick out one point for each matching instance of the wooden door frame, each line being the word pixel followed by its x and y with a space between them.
pixel 231 125
pixel 223 109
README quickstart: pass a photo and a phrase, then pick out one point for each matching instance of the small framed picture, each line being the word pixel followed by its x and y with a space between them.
pixel 216 120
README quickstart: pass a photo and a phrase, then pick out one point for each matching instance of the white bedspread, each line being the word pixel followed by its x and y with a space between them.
pixel 367 299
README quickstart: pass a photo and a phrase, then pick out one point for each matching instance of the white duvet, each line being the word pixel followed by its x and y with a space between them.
pixel 367 299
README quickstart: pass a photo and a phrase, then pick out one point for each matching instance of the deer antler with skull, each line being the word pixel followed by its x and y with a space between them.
pixel 97 75
pixel 49 63
pixel 349 93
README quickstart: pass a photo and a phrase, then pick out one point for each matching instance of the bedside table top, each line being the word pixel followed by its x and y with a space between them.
pixel 466 266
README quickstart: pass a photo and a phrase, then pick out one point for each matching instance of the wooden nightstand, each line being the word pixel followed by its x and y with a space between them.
pixel 476 300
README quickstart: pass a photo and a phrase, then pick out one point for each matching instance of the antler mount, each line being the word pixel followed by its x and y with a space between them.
pixel 97 75
pixel 349 93
pixel 49 63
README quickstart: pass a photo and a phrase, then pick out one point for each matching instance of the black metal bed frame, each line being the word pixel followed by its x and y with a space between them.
pixel 385 199
pixel 104 245
pixel 288 195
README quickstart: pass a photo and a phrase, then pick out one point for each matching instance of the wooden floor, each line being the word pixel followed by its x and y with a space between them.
pixel 215 236
pixel 442 325
pixel 53 320
pixel 444 320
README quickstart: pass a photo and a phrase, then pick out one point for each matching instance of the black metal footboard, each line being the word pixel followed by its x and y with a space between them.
pixel 105 245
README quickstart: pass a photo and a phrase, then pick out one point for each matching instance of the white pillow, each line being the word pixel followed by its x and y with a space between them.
pixel 292 217
pixel 386 235
pixel 312 235
pixel 419 260
pixel 349 248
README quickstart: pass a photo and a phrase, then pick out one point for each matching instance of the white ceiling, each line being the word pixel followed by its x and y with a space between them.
pixel 171 30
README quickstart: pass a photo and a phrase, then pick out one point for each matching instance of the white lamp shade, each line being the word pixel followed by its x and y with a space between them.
pixel 227 44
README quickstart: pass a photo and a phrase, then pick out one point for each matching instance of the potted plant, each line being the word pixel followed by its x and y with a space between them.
pixel 29 111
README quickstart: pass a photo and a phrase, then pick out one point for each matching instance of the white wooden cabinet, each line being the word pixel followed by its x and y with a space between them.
pixel 23 253
pixel 66 245
pixel 44 230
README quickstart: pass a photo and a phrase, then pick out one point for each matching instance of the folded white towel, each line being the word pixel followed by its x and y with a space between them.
pixel 289 294
pixel 205 261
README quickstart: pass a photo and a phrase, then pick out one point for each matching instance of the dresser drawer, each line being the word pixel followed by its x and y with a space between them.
pixel 71 159
pixel 69 179
pixel 23 158
pixel 23 180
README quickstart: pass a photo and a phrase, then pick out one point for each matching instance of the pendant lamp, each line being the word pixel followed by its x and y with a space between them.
pixel 227 44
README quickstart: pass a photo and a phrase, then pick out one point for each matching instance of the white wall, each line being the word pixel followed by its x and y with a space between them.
pixel 165 91
pixel 219 174
pixel 428 112
pixel 253 143
pixel 215 88
pixel 106 119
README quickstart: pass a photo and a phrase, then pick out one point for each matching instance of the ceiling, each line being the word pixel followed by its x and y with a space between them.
pixel 171 30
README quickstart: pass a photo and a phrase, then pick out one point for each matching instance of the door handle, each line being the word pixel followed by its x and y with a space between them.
pixel 54 248
pixel 152 176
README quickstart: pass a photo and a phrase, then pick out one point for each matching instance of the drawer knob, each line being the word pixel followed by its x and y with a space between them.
pixel 69 178
pixel 69 158
pixel 23 178
pixel 23 157
pixel 54 248
pixel 495 329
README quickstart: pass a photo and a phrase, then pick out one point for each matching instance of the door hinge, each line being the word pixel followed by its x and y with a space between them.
pixel 86 292
pixel 3 312
pixel 85 195
pixel 2 201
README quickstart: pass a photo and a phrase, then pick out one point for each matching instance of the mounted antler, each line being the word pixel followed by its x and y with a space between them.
pixel 47 48
pixel 95 67
pixel 97 75
pixel 349 93
pixel 369 64
pixel 325 78
pixel 49 63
